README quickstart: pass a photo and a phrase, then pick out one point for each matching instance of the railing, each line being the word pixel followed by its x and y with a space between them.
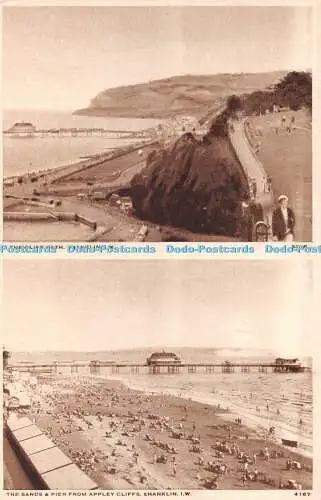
pixel 74 132
pixel 191 367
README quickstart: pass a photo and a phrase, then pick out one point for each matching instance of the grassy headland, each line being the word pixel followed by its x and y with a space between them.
pixel 185 94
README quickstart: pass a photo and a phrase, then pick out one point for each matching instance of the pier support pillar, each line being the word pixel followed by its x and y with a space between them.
pixel 172 369
pixel 154 369
pixel 228 369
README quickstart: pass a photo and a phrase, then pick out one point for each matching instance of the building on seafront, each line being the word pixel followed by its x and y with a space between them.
pixel 22 129
pixel 163 358
pixel 286 365
pixel 183 124
pixel 178 125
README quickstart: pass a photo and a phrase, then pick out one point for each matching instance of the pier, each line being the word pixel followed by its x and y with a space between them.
pixel 104 368
pixel 78 132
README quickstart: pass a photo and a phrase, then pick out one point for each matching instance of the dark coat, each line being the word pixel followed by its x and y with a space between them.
pixel 278 224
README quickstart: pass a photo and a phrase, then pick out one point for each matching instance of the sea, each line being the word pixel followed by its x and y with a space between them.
pixel 261 400
pixel 246 396
pixel 21 155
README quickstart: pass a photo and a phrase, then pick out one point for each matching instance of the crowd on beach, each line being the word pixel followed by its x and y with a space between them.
pixel 129 439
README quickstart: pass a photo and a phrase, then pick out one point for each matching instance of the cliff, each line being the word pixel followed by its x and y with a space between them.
pixel 192 184
pixel 186 94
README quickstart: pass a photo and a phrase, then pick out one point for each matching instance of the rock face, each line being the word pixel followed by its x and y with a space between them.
pixel 192 184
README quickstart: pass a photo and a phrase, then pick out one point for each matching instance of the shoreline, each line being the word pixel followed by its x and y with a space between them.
pixel 116 434
pixel 92 157
pixel 233 410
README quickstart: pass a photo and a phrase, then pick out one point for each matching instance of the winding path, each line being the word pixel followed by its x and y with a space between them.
pixel 253 169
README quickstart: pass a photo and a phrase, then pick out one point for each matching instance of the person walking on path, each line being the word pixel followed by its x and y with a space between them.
pixel 283 221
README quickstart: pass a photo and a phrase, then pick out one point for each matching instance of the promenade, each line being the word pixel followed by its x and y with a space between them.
pixel 65 184
pixel 260 193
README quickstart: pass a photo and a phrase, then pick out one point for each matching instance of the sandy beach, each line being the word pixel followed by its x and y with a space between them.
pixel 127 439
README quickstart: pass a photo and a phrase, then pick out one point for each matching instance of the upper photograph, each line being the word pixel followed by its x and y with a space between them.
pixel 157 124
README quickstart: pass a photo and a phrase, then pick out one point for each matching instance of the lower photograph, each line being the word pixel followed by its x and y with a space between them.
pixel 157 375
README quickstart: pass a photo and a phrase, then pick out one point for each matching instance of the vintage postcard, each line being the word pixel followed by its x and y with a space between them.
pixel 146 149
pixel 157 123
pixel 193 384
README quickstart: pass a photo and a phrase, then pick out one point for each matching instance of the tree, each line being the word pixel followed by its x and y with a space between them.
pixel 219 125
pixel 5 358
pixel 234 104
pixel 295 90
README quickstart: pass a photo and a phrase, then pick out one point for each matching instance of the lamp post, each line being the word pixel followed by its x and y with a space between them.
pixel 29 168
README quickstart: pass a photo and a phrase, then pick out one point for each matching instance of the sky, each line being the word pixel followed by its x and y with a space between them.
pixel 92 305
pixel 61 57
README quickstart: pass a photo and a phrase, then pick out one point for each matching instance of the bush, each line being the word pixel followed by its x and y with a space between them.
pixel 293 91
pixel 192 186
pixel 234 104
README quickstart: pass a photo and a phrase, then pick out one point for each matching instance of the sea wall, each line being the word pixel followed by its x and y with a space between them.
pixel 28 216
pixel 99 159
pixel 46 464
pixel 49 217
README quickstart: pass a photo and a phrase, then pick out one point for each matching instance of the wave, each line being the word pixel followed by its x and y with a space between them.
pixel 286 423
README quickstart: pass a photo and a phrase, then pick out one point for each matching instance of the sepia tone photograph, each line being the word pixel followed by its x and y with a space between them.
pixel 202 382
pixel 176 123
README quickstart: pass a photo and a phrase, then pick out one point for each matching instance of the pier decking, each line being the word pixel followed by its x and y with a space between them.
pixel 80 132
pixel 107 368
